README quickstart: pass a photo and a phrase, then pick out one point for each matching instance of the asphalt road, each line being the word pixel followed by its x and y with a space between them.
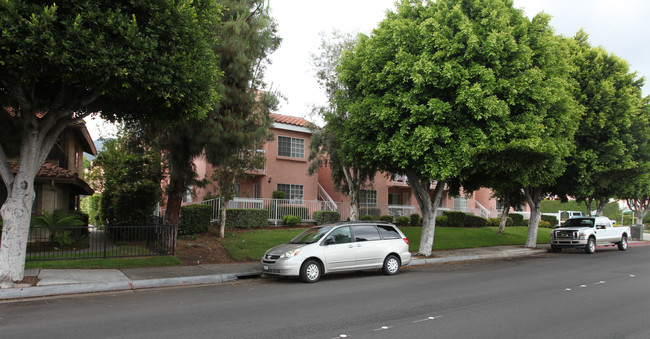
pixel 572 295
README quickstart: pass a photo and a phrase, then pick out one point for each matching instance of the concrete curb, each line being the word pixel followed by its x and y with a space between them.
pixel 78 288
pixel 497 255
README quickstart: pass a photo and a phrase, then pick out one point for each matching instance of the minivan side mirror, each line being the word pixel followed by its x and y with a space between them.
pixel 329 241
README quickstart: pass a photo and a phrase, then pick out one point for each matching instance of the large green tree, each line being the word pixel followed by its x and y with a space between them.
pixel 439 83
pixel 130 181
pixel 349 173
pixel 246 38
pixel 62 61
pixel 604 142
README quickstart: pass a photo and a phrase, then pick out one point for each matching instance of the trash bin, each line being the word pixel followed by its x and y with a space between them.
pixel 637 231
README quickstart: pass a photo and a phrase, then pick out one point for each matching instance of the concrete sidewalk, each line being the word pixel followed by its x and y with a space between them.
pixel 65 281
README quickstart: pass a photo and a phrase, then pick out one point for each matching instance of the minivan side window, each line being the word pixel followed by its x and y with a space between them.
pixel 366 233
pixel 340 235
pixel 388 232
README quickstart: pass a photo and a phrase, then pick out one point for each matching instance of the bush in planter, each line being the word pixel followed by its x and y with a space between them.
pixel 278 195
pixel 416 220
pixel 246 218
pixel 291 220
pixel 326 217
pixel 402 221
pixel 367 217
pixel 194 219
pixel 386 218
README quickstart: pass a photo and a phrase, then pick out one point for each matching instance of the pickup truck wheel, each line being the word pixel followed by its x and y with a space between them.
pixel 622 245
pixel 556 249
pixel 590 248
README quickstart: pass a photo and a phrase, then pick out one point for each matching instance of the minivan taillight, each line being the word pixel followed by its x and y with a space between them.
pixel 406 240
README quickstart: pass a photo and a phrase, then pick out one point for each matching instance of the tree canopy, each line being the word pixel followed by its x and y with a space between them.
pixel 60 62
pixel 604 142
pixel 438 84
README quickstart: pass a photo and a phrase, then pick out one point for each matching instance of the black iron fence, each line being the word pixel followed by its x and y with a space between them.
pixel 58 243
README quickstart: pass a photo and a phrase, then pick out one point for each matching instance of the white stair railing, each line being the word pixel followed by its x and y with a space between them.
pixel 328 202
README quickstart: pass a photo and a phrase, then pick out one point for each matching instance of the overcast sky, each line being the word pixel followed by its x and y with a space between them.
pixel 620 26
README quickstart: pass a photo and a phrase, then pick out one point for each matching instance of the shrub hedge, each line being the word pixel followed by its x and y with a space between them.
pixel 282 210
pixel 416 220
pixel 386 218
pixel 460 219
pixel 551 219
pixel 517 219
pixel 402 221
pixel 372 211
pixel 246 218
pixel 326 217
pixel 194 219
pixel 366 217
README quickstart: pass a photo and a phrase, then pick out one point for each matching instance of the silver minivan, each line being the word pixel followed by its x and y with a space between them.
pixel 345 246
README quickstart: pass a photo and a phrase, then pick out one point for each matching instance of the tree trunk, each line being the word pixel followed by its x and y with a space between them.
pixel 222 218
pixel 429 209
pixel 39 136
pixel 173 211
pixel 354 203
pixel 640 207
pixel 534 197
pixel 504 218
pixel 601 207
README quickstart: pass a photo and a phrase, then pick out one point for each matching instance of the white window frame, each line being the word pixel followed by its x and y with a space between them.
pixel 460 204
pixel 296 147
pixel 296 192
pixel 368 198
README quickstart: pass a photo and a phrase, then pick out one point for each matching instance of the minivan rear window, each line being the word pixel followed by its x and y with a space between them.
pixel 388 232
pixel 366 233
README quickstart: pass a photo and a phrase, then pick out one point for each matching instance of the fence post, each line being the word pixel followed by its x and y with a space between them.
pixel 105 240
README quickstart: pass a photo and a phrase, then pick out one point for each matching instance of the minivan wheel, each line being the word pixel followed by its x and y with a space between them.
pixel 391 265
pixel 310 271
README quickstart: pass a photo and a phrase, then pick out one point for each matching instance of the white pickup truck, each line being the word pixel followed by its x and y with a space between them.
pixel 587 233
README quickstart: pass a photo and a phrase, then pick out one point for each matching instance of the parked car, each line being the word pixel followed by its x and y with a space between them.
pixel 339 247
pixel 587 232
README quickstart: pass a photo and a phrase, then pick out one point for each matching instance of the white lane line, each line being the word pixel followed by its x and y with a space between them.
pixel 427 319
pixel 383 328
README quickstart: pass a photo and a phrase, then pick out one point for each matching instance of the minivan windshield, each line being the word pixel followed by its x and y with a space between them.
pixel 311 235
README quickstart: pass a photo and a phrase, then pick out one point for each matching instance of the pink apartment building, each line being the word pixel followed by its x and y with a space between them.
pixel 286 170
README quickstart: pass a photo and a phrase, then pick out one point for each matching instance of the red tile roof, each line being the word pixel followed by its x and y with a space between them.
pixel 289 120
pixel 49 171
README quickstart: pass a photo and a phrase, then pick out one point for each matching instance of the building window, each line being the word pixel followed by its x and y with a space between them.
pixel 291 147
pixel 368 198
pixel 460 204
pixel 394 199
pixel 187 196
pixel 237 190
pixel 292 192
pixel 256 191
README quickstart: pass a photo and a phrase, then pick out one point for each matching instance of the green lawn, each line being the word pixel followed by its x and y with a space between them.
pixel 105 263
pixel 251 245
